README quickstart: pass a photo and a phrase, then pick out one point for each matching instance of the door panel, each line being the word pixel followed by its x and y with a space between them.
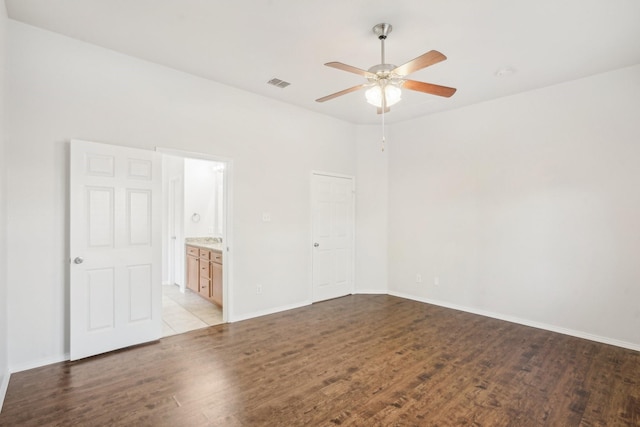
pixel 100 283
pixel 100 217
pixel 115 248
pixel 139 217
pixel 140 287
pixel 332 207
pixel 321 268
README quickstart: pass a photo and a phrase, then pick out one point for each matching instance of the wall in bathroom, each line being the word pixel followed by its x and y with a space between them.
pixel 201 178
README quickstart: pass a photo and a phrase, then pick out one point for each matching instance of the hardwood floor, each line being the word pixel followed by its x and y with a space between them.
pixel 363 360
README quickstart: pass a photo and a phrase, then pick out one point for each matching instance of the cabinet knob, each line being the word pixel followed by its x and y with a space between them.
pixel 78 260
pixel 315 245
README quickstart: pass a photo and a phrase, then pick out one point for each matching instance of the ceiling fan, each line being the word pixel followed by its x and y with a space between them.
pixel 385 80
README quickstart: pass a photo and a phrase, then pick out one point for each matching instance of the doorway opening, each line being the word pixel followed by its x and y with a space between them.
pixel 195 241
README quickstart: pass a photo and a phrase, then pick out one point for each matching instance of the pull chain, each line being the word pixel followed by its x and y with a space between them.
pixel 383 138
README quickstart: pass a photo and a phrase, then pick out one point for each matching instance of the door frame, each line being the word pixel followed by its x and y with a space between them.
pixel 227 231
pixel 173 221
pixel 353 223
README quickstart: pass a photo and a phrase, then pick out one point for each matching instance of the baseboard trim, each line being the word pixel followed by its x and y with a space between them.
pixel 39 363
pixel 370 292
pixel 525 322
pixel 260 313
pixel 4 385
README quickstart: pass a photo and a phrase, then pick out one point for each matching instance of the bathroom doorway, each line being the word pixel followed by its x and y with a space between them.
pixel 195 241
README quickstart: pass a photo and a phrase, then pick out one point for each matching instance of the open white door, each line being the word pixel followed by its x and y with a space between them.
pixel 333 231
pixel 115 247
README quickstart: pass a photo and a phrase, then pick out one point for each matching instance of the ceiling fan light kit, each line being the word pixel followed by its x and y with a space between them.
pixel 392 95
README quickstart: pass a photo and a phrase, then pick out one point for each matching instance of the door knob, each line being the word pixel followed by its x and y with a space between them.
pixel 315 245
pixel 78 260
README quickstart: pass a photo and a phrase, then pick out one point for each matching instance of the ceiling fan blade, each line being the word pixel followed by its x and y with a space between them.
pixel 350 69
pixel 342 92
pixel 422 61
pixel 429 88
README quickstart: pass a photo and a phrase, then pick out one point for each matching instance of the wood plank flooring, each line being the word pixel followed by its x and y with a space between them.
pixel 363 360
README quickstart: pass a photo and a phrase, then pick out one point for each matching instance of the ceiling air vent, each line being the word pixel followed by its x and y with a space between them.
pixel 278 83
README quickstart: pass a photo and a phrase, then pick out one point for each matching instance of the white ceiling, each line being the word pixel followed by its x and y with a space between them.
pixel 245 43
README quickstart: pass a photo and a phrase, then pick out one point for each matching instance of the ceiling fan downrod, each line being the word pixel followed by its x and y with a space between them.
pixel 382 31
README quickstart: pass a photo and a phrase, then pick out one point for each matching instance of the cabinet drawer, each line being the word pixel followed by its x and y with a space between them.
pixel 205 254
pixel 192 251
pixel 216 257
pixel 205 269
pixel 205 285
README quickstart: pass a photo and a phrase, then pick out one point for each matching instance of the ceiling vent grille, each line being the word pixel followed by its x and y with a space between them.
pixel 278 83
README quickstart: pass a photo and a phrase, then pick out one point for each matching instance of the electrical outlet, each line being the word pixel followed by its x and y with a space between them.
pixel 436 281
pixel 258 289
pixel 266 217
pixel 418 278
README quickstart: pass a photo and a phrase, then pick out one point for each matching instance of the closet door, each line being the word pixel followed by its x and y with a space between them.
pixel 333 236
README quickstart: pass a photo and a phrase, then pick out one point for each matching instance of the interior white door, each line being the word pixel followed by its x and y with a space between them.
pixel 115 247
pixel 332 218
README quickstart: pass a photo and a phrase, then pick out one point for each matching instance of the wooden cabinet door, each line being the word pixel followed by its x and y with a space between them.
pixel 205 273
pixel 216 283
pixel 193 273
pixel 205 285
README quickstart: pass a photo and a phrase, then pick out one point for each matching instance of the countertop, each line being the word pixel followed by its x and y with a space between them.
pixel 211 243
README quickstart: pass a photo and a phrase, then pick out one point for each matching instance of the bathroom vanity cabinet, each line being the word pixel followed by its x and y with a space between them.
pixel 204 272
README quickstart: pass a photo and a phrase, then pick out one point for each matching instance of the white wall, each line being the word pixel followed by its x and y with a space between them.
pixel 526 207
pixel 200 197
pixel 4 369
pixel 371 210
pixel 59 89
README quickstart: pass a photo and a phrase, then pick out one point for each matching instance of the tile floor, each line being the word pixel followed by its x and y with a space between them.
pixel 186 312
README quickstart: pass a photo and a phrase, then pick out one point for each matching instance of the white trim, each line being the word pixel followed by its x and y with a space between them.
pixel 352 178
pixel 371 292
pixel 193 155
pixel 525 322
pixel 227 233
pixel 39 363
pixel 266 312
pixel 4 385
pixel 335 175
